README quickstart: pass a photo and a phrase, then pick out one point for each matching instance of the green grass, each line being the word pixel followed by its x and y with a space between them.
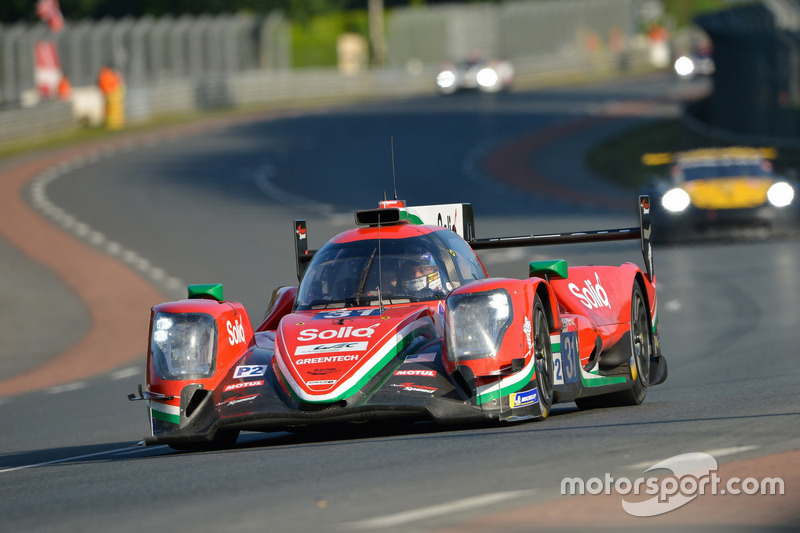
pixel 314 42
pixel 82 134
pixel 619 159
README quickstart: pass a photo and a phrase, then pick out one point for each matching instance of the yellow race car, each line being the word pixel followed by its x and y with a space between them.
pixel 713 192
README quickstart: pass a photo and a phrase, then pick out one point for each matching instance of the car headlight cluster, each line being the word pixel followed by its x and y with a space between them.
pixel 780 194
pixel 184 345
pixel 676 200
pixel 476 323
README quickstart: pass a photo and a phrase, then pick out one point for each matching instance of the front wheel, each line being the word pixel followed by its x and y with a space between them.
pixel 543 358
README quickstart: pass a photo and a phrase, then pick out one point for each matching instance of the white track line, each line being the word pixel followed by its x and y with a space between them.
pixel 139 449
pixel 263 179
pixel 436 510
pixel 67 387
pixel 67 459
pixel 40 201
pixel 719 452
pixel 126 372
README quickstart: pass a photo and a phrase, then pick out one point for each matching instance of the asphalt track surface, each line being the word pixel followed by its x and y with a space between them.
pixel 124 225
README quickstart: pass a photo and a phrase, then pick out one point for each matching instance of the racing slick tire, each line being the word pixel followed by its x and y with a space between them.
pixel 543 358
pixel 642 349
pixel 223 439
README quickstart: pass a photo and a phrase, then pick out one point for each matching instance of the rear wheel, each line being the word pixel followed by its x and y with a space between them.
pixel 543 358
pixel 642 348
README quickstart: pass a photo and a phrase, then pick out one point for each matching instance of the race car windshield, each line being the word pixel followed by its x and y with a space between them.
pixel 357 274
pixel 722 168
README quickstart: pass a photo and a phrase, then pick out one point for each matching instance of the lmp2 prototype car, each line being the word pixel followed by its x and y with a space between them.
pixel 721 192
pixel 398 320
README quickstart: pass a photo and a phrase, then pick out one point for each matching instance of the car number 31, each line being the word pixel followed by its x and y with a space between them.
pixel 565 363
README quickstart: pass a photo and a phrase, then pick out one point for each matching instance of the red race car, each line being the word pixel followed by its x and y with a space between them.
pixel 397 319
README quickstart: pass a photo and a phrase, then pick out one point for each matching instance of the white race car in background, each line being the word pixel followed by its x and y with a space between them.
pixel 486 76
pixel 697 63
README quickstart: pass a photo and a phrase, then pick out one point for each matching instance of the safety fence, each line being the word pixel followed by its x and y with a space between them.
pixel 175 65
pixel 145 50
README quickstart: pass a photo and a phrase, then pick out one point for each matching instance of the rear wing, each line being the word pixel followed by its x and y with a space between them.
pixel 459 218
pixel 643 232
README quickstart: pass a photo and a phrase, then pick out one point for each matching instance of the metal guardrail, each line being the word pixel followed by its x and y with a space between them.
pixel 47 118
pixel 258 87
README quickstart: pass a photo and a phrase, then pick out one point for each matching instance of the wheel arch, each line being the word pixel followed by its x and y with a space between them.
pixel 635 277
pixel 649 295
pixel 548 298
pixel 639 278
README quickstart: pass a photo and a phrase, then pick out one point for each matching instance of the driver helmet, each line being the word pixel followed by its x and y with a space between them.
pixel 420 273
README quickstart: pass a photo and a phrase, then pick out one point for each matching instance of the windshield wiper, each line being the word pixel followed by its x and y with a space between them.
pixel 363 279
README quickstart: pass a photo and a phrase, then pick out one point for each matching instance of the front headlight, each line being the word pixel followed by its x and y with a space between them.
pixel 476 324
pixel 487 77
pixel 446 79
pixel 780 194
pixel 184 345
pixel 684 66
pixel 676 200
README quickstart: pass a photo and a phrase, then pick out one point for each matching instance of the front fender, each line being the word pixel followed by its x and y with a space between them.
pixel 515 350
pixel 233 332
